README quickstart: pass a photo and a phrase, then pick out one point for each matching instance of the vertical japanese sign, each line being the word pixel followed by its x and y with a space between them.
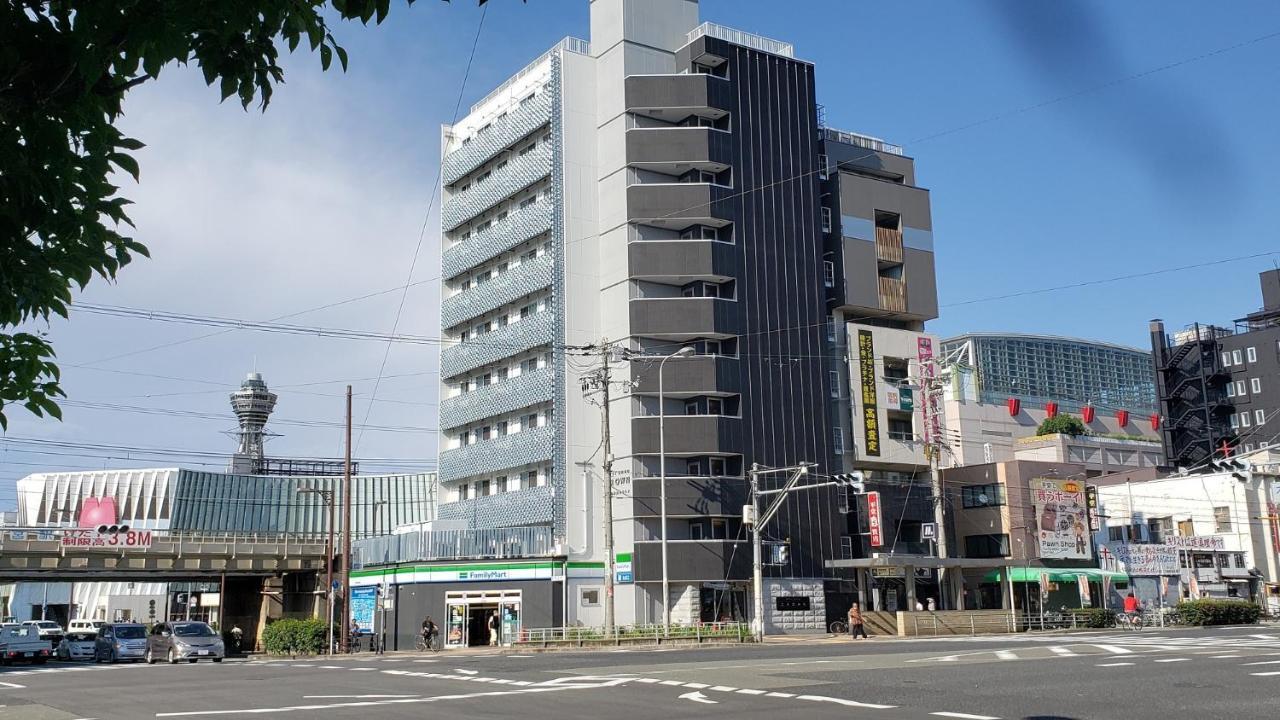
pixel 1091 498
pixel 1061 519
pixel 929 403
pixel 873 519
pixel 1082 581
pixel 870 407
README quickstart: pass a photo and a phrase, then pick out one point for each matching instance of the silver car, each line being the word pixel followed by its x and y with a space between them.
pixel 190 641
pixel 77 646
pixel 120 641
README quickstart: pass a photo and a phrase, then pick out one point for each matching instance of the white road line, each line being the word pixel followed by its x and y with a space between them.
pixel 14 686
pixel 964 716
pixel 1264 662
pixel 1224 657
pixel 1006 655
pixel 339 697
pixel 672 682
pixel 1169 660
pixel 848 703
pixel 466 672
pixel 1064 652
pixel 649 681
pixel 696 686
pixel 779 695
pixel 1123 664
pixel 522 683
pixel 363 669
pixel 724 688
pixel 748 691
pixel 1266 674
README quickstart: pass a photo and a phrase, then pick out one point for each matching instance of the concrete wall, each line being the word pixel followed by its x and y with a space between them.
pixel 811 621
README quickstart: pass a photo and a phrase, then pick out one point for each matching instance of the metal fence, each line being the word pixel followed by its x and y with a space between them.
pixel 513 542
pixel 636 634
pixel 926 624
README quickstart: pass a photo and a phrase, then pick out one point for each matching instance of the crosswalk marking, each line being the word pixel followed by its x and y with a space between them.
pixel 1064 652
pixel 1119 664
pixel 964 716
pixel 1266 674
pixel 1006 655
pixel 1264 662
pixel 1170 660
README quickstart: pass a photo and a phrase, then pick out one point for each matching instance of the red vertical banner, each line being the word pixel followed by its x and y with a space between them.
pixel 1155 422
pixel 1014 405
pixel 873 519
pixel 1122 418
pixel 1051 409
pixel 1087 412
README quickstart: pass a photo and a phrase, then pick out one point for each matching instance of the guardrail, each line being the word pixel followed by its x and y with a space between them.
pixel 929 624
pixel 697 633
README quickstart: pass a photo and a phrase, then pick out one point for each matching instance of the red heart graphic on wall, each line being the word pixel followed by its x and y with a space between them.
pixel 98 511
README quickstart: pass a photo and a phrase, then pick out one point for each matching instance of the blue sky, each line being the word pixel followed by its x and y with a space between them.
pixel 322 198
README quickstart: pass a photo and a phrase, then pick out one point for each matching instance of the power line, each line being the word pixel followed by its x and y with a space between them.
pixel 223 418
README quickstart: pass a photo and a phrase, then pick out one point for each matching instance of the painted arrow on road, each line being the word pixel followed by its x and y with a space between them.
pixel 696 696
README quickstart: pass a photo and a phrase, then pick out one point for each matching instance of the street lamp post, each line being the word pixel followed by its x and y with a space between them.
pixel 327 495
pixel 685 351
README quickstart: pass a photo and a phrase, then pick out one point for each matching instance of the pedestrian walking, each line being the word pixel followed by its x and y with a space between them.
pixel 855 622
pixel 493 628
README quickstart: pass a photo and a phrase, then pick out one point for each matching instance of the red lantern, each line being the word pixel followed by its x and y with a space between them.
pixel 1015 406
pixel 1155 422
pixel 1087 413
pixel 1122 417
pixel 1051 409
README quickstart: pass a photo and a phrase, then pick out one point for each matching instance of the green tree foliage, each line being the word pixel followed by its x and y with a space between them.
pixel 1218 612
pixel 1065 424
pixel 290 636
pixel 65 67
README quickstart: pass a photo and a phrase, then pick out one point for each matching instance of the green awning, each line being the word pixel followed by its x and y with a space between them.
pixel 1031 574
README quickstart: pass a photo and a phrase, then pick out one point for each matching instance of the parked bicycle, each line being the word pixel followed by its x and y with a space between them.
pixel 839 627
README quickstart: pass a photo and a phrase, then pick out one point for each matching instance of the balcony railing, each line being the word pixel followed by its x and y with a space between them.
pixel 893 295
pixel 527 334
pixel 745 39
pixel 521 391
pixel 510 509
pixel 527 447
pixel 526 278
pixel 427 545
pixel 520 226
pixel 889 245
pixel 521 172
pixel 501 134
pixel 860 140
pixel 568 44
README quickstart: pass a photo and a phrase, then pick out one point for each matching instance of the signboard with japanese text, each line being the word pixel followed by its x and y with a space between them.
pixel 1091 496
pixel 874 524
pixel 1196 542
pixel 867 383
pixel 930 401
pixel 1062 522
pixel 363 601
pixel 1147 559
pixel 94 540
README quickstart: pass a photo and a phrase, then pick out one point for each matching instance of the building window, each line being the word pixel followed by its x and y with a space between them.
pixel 1235 422
pixel 977 496
pixel 1226 359
pixel 828 273
pixel 822 166
pixel 846 547
pixel 831 329
pixel 1231 389
pixel 1235 358
pixel 1252 354
pixel 1240 388
pixel 1259 417
pixel 986 546
pixel 837 440
pixel 826 220
pixel 590 597
pixel 696 529
pixel 1238 559
pixel 1222 519
pixel 834 377
pixel 1245 420
pixel 717 467
pixel 500 484
pixel 1159 528
pixel 1118 534
pixel 1255 385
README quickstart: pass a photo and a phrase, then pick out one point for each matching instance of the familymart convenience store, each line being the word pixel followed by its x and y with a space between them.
pixel 461 597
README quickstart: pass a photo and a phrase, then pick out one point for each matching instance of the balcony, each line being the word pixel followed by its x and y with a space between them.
pixel 682 259
pixel 527 447
pixel 428 545
pixel 527 278
pixel 677 204
pixel 520 226
pixel 672 97
pixel 690 496
pixel 521 391
pixel 509 510
pixel 688 434
pixel 699 375
pixel 501 135
pixel 531 332
pixel 888 245
pixel 693 560
pixel 521 172
pixel 893 295
pixel 683 316
pixel 687 145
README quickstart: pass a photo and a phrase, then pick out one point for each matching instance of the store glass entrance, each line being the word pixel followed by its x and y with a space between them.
pixel 484 617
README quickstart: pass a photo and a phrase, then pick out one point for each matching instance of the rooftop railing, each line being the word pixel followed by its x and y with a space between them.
pixel 746 39
pixel 569 44
pixel 860 140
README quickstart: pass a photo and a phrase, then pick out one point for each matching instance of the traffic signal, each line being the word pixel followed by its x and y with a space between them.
pixel 855 481
pixel 1240 469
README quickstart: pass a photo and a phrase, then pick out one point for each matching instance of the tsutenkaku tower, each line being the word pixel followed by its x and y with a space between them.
pixel 253 404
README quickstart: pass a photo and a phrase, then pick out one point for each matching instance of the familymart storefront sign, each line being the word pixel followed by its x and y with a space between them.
pixel 475 572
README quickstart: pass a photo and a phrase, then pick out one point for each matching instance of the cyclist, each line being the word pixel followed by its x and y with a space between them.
pixel 429 630
pixel 1132 609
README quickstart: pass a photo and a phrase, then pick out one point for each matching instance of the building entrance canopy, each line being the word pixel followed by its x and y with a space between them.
pixel 1033 574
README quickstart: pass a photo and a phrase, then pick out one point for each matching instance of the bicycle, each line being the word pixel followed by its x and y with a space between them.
pixel 427 643
pixel 839 627
pixel 1129 621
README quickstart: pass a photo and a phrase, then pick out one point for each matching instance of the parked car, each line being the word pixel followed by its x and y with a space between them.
pixel 76 646
pixel 88 626
pixel 190 641
pixel 23 643
pixel 49 630
pixel 120 641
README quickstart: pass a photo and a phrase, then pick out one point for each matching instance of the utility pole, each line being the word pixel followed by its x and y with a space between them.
pixel 346 534
pixel 931 385
pixel 601 380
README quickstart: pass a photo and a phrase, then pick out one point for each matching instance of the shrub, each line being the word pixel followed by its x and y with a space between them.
pixel 1064 424
pixel 1218 612
pixel 295 637
pixel 1095 617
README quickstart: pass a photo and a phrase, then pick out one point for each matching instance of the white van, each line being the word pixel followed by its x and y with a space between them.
pixel 85 626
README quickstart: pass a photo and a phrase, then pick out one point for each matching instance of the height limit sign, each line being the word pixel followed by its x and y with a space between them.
pixel 873 519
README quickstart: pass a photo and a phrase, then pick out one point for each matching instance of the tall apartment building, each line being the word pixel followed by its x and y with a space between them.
pixel 666 185
pixel 1220 387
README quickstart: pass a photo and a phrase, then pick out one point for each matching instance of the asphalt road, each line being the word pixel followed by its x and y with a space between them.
pixel 1154 674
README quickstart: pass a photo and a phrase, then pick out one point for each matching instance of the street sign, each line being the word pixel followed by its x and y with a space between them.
pixel 98 540
pixel 929 531
pixel 873 519
pixel 888 572
pixel 623 577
